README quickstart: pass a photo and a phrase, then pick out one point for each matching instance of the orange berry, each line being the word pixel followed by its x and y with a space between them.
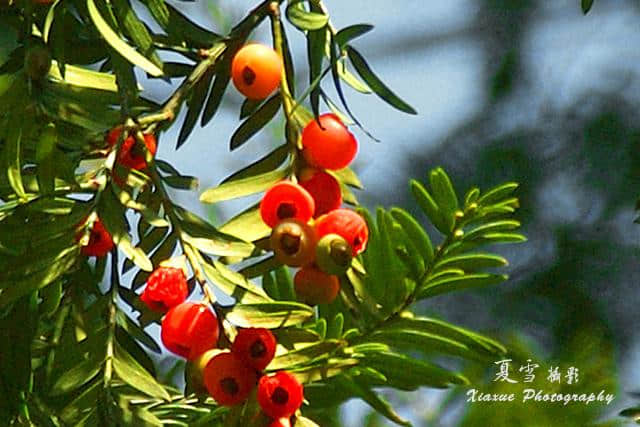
pixel 286 200
pixel 314 286
pixel 256 71
pixel 328 144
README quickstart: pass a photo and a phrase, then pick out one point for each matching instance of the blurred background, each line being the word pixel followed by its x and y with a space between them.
pixel 506 90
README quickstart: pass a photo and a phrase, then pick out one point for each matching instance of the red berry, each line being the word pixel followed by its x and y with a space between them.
pixel 255 347
pixel 293 242
pixel 228 380
pixel 166 288
pixel 328 145
pixel 286 200
pixel 100 241
pixel 256 71
pixel 324 189
pixel 314 286
pixel 346 223
pixel 131 156
pixel 279 395
pixel 280 422
pixel 189 329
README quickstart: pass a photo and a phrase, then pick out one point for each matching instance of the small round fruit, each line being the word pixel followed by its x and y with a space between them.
pixel 293 242
pixel 255 347
pixel 166 288
pixel 328 144
pixel 256 71
pixel 195 370
pixel 37 62
pixel 131 155
pixel 333 254
pixel 279 395
pixel 346 223
pixel 314 286
pixel 100 241
pixel 286 200
pixel 228 380
pixel 324 189
pixel 189 329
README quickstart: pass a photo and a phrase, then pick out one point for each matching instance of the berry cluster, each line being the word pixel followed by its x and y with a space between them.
pixel 309 229
pixel 230 376
pixel 191 330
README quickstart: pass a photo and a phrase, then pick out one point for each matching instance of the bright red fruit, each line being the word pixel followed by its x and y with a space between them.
pixel 324 189
pixel 279 395
pixel 329 144
pixel 131 156
pixel 314 286
pixel 255 347
pixel 228 380
pixel 286 200
pixel 100 241
pixel 346 223
pixel 189 329
pixel 166 288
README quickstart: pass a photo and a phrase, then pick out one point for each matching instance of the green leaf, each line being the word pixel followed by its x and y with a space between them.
pixel 451 284
pixel 407 373
pixel 195 104
pixel 118 44
pixel 62 263
pixel 498 193
pixel 347 176
pixel 247 225
pixel 266 164
pixel 375 83
pixel 586 5
pixel 131 372
pixel 471 262
pixel 261 267
pixel 429 206
pixel 492 227
pixel 444 195
pixel 256 121
pixel 354 386
pixel 113 220
pixel 182 182
pixel 220 84
pixel 77 376
pixel 269 315
pixel 477 342
pixel 136 30
pixel 414 230
pixel 302 356
pixel 305 20
pixel 233 284
pixel 242 187
pixel 13 155
pixel 46 159
pixel 351 32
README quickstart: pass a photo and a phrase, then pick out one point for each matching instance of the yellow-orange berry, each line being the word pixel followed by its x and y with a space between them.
pixel 256 71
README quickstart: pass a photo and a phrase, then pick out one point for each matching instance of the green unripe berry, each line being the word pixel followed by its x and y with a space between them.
pixel 37 62
pixel 333 254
